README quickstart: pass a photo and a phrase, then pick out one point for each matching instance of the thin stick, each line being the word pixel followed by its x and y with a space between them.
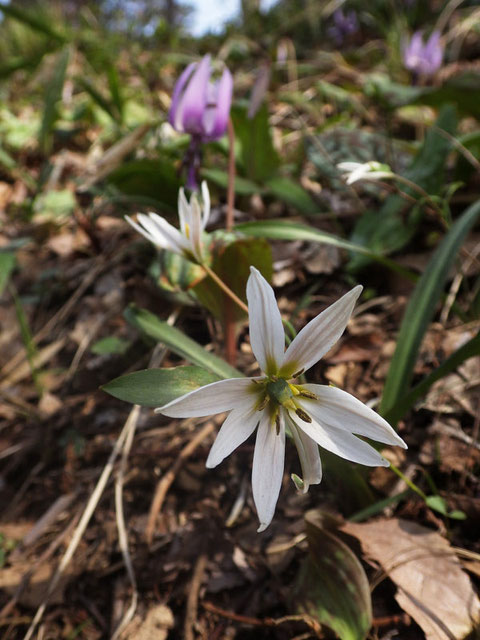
pixel 192 600
pixel 122 530
pixel 225 288
pixel 231 175
pixel 166 481
pixel 82 525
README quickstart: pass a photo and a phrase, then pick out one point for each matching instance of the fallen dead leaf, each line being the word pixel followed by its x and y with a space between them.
pixel 35 591
pixel 432 587
pixel 158 621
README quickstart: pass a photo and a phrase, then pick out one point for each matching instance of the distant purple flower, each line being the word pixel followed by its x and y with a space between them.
pixel 201 108
pixel 344 25
pixel 423 57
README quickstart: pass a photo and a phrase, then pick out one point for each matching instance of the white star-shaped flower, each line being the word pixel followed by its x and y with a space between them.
pixel 372 170
pixel 188 240
pixel 314 414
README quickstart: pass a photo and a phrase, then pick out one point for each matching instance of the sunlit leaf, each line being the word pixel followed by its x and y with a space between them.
pixel 156 387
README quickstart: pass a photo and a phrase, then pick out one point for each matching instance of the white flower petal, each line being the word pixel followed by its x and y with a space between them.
pixel 268 464
pixel 266 330
pixel 309 456
pixel 183 210
pixel 206 204
pixel 160 228
pixel 195 230
pixel 156 239
pixel 342 443
pixel 339 409
pixel 319 335
pixel 212 398
pixel 348 167
pixel 239 425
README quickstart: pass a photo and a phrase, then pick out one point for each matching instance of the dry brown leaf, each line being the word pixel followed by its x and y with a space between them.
pixel 432 587
pixel 34 592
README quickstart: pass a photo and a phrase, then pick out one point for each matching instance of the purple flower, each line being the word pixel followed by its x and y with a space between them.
pixel 201 108
pixel 423 57
pixel 344 25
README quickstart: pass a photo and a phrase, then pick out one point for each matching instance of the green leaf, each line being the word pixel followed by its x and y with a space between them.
pixel 286 230
pixel 157 387
pixel 243 186
pixel 110 345
pixel 7 264
pixel 293 194
pixel 420 311
pixel 259 159
pixel 156 179
pixel 53 93
pixel 406 402
pixel 231 262
pixel 178 342
pixel 437 503
pixel 35 21
pixel 332 586
pixel 53 205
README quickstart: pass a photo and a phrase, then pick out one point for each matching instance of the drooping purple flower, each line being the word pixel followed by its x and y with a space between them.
pixel 423 57
pixel 344 25
pixel 201 108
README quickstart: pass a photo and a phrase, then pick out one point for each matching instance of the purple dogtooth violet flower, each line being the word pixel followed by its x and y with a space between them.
pixel 276 404
pixel 344 25
pixel 423 58
pixel 200 107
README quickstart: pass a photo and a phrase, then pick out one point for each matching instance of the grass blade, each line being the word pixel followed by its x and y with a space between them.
pixel 421 308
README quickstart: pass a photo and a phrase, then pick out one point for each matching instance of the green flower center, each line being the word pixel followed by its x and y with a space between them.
pixel 274 393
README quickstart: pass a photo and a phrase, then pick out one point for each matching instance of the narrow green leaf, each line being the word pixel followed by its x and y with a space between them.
pixel 259 159
pixel 7 264
pixel 293 194
pixel 286 230
pixel 96 96
pixel 53 93
pixel 332 586
pixel 33 20
pixel 243 186
pixel 157 387
pixel 178 342
pixel 421 309
pixel 109 346
pixel 406 402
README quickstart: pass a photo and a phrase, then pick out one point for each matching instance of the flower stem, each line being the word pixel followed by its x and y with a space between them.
pixel 231 176
pixel 411 485
pixel 225 288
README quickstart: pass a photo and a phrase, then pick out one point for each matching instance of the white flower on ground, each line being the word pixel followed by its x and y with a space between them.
pixel 188 240
pixel 372 170
pixel 314 414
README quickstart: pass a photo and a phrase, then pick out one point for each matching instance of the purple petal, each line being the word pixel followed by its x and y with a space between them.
pixel 216 117
pixel 413 52
pixel 433 53
pixel 177 94
pixel 191 106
